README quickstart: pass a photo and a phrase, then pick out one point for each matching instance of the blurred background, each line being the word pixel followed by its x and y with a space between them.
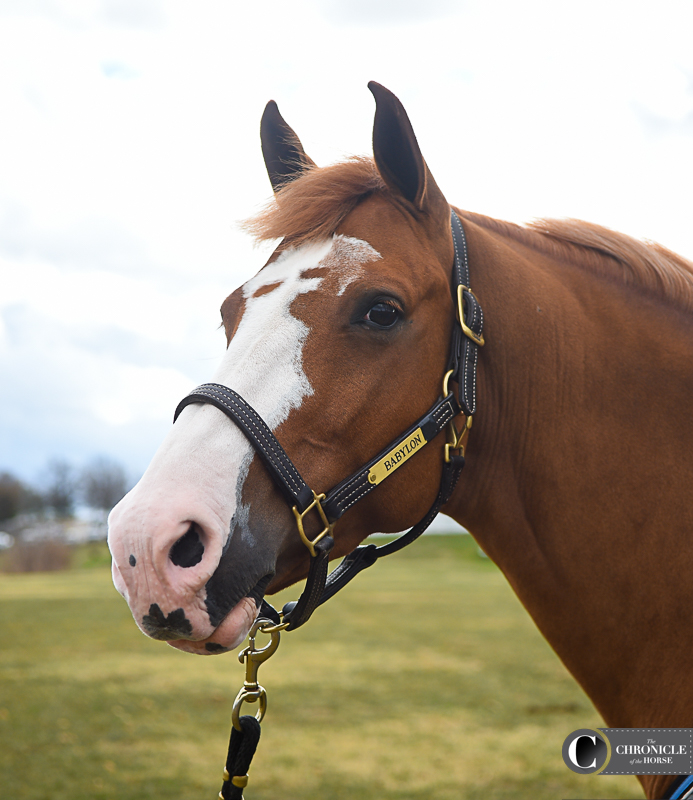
pixel 129 151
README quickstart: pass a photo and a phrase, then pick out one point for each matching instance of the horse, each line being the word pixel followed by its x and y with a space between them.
pixel 578 465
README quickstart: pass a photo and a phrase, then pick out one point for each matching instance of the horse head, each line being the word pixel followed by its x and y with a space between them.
pixel 339 343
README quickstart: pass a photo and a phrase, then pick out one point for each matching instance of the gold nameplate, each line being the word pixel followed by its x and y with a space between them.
pixel 396 457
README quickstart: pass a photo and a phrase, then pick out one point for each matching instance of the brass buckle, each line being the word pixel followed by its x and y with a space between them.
pixel 468 332
pixel 327 530
pixel 458 439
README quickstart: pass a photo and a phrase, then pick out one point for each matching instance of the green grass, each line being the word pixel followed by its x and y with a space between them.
pixel 425 678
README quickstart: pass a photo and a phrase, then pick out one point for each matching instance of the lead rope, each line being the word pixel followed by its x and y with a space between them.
pixel 245 730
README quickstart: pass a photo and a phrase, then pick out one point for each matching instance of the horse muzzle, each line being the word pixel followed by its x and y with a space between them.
pixel 183 583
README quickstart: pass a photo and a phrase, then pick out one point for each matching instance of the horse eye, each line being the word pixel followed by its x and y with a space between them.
pixel 383 315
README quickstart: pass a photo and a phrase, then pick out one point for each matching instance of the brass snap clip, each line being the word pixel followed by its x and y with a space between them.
pixel 252 692
pixel 457 439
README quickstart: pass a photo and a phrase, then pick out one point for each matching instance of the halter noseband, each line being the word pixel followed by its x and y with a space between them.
pixel 461 368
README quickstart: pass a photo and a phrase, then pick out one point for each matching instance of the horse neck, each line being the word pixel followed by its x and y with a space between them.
pixel 578 470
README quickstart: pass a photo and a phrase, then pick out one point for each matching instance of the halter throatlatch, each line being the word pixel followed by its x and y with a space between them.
pixel 467 337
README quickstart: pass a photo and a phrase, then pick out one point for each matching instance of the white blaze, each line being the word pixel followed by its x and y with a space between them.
pixel 264 360
pixel 199 470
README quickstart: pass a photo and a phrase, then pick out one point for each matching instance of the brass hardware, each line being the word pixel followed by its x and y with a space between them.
pixel 396 457
pixel 252 692
pixel 445 382
pixel 227 777
pixel 327 530
pixel 468 332
pixel 240 780
pixel 280 626
pixel 458 439
pixel 245 696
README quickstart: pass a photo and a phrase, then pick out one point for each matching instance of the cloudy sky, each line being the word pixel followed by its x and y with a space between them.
pixel 129 149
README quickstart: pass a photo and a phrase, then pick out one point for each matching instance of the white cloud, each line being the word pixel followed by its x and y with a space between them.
pixel 119 70
pixel 144 14
pixel 386 13
pixel 136 393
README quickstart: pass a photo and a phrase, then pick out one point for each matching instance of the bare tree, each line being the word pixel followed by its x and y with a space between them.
pixel 11 495
pixel 103 483
pixel 61 487
pixel 16 497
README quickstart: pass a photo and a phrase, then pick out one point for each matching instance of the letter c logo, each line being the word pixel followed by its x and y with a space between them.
pixel 572 752
pixel 586 751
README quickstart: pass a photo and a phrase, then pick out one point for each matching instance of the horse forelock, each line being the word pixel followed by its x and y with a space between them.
pixel 313 205
pixel 641 264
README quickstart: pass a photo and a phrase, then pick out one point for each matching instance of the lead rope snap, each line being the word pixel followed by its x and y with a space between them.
pixel 245 730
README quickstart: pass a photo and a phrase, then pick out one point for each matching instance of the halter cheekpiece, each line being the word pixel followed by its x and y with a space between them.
pixel 467 337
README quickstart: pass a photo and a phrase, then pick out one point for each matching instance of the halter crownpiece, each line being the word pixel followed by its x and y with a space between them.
pixel 467 337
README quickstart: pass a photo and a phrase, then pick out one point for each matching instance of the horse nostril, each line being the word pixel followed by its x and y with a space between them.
pixel 188 550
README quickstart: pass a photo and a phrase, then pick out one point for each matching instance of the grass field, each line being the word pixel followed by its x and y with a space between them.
pixel 425 678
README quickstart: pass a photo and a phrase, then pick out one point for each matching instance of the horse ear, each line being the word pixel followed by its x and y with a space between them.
pixel 397 154
pixel 282 150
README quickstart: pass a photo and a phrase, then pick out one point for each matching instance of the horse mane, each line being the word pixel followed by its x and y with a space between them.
pixel 641 264
pixel 313 205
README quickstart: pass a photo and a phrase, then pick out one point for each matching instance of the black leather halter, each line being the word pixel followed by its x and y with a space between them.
pixel 461 369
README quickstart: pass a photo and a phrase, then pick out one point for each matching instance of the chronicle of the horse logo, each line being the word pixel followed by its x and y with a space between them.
pixel 630 751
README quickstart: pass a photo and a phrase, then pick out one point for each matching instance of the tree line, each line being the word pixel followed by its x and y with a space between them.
pixel 99 485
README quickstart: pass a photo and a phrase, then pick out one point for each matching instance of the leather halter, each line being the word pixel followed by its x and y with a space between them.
pixel 461 368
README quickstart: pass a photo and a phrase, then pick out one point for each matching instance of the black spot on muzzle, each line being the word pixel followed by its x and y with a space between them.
pixel 165 628
pixel 213 647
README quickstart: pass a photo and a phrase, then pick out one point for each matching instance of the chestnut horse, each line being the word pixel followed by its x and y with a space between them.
pixel 579 463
